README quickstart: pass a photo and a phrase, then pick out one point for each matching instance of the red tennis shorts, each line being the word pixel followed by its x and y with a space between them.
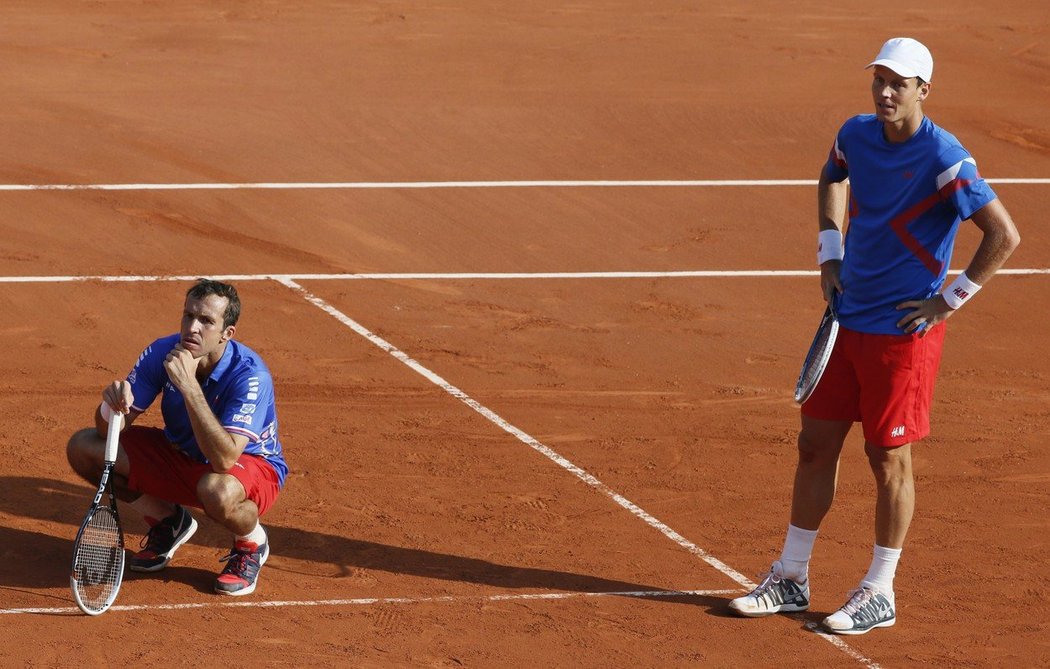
pixel 160 469
pixel 884 381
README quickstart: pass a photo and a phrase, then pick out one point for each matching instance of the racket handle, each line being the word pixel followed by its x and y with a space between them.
pixel 116 421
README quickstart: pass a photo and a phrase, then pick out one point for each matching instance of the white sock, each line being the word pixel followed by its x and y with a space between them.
pixel 798 548
pixel 256 536
pixel 883 568
pixel 153 509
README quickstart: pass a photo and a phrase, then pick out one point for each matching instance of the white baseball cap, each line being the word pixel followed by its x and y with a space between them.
pixel 906 57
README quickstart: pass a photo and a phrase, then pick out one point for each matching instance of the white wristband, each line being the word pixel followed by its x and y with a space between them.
pixel 106 412
pixel 960 290
pixel 829 246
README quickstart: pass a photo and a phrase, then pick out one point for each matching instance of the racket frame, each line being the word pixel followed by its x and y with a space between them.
pixel 830 320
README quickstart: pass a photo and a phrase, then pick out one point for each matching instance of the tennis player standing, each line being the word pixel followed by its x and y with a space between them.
pixel 218 451
pixel 908 184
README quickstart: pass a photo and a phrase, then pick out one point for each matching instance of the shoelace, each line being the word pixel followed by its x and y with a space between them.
pixel 764 588
pixel 239 560
pixel 858 599
pixel 155 539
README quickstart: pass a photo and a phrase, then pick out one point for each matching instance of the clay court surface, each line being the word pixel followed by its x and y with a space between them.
pixel 541 469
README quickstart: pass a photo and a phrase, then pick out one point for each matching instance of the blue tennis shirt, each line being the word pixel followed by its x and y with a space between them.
pixel 239 391
pixel 906 203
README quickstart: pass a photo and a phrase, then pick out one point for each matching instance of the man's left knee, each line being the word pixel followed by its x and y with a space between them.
pixel 889 462
pixel 219 493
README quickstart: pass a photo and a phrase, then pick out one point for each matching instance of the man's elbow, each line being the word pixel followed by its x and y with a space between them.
pixel 223 465
pixel 1006 238
pixel 1013 238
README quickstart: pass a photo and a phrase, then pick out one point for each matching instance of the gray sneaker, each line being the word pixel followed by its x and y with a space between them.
pixel 865 610
pixel 774 595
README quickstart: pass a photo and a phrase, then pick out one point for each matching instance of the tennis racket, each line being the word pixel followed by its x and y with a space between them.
pixel 818 355
pixel 98 551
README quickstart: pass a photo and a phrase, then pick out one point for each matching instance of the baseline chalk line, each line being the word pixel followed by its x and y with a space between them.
pixel 402 185
pixel 465 276
pixel 370 601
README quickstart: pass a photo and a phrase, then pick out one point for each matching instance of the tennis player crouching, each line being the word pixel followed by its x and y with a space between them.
pixel 218 451
pixel 908 185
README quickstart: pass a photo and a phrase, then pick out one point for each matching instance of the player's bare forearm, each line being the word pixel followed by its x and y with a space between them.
pixel 832 198
pixel 998 243
pixel 220 447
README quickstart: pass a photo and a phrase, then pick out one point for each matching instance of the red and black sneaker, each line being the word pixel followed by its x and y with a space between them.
pixel 163 539
pixel 242 568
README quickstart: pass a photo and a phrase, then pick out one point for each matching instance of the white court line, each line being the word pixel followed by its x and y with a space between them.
pixel 548 452
pixel 425 276
pixel 455 276
pixel 370 601
pixel 372 185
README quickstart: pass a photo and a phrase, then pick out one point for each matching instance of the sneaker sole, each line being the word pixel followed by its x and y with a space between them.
pixel 251 588
pixel 792 608
pixel 170 554
pixel 855 632
pixel 237 593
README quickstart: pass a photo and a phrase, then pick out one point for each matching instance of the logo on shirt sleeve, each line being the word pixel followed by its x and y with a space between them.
pixel 133 375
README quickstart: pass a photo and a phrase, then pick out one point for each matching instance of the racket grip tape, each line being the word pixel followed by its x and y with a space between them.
pixel 113 435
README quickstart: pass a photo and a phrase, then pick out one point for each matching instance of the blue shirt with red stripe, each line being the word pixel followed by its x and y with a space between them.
pixel 239 391
pixel 906 202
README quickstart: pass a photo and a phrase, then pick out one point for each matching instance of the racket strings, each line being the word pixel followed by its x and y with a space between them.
pixel 821 351
pixel 99 561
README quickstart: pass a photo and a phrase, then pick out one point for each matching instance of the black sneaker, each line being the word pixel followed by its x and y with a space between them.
pixel 775 594
pixel 865 610
pixel 163 539
pixel 242 568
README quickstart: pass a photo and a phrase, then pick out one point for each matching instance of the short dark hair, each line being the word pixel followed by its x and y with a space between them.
pixel 206 287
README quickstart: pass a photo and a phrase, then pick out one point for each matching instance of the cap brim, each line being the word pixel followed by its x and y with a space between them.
pixel 897 67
